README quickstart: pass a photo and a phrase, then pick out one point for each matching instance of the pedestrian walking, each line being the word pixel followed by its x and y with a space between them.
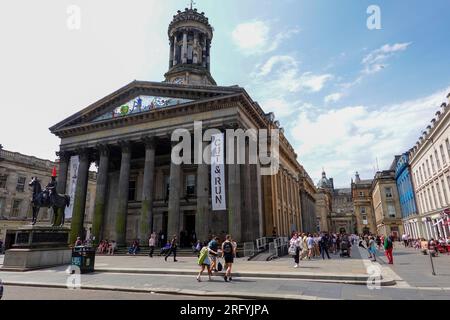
pixel 151 244
pixel 214 246
pixel 323 243
pixel 173 249
pixel 228 253
pixel 295 246
pixel 372 248
pixel 310 244
pixel 388 248
pixel 204 262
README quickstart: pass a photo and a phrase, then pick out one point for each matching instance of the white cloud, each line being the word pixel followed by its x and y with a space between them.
pixel 375 60
pixel 255 37
pixel 334 97
pixel 351 138
pixel 281 73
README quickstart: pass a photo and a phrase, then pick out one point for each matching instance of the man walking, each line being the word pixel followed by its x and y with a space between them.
pixel 173 248
pixel 214 246
pixel 323 243
pixel 388 248
pixel 151 244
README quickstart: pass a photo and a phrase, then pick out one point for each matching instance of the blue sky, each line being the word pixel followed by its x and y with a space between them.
pixel 346 95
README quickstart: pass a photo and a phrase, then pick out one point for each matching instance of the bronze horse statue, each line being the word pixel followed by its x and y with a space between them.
pixel 47 199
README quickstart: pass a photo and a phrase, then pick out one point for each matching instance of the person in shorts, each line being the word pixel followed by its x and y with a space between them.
pixel 228 253
pixel 204 262
pixel 214 246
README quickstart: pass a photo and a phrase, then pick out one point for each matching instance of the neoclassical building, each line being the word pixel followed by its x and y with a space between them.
pixel 429 161
pixel 140 189
pixel 363 208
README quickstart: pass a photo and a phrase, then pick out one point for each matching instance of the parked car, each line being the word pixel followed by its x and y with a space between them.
pixel 1 289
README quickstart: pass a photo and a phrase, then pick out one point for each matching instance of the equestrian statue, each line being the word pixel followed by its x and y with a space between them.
pixel 48 198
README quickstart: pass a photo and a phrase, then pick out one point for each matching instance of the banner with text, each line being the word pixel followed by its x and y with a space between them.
pixel 73 177
pixel 218 172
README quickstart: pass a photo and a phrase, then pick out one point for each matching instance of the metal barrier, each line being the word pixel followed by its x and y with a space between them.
pixel 261 243
pixel 249 249
pixel 273 250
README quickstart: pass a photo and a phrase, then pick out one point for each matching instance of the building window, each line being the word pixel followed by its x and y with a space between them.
pixel 21 184
pixel 132 190
pixel 388 192
pixel 3 178
pixel 437 159
pixel 444 190
pixel 391 211
pixel 424 172
pixel 447 143
pixel 444 160
pixel 190 185
pixel 439 194
pixel 16 208
pixel 361 194
pixel 432 164
pixel 436 203
pixel 166 187
pixel 2 206
pixel 365 222
pixel 363 210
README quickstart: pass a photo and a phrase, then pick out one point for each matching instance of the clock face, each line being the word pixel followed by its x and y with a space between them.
pixel 178 81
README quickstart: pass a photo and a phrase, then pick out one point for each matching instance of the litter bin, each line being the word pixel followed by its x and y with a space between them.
pixel 84 258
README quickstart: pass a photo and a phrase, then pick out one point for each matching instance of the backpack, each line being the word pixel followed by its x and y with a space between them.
pixel 227 247
pixel 202 256
pixel 389 242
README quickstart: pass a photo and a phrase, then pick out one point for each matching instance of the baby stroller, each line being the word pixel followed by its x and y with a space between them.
pixel 345 249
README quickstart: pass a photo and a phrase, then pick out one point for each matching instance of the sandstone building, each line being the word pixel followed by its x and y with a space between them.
pixel 140 189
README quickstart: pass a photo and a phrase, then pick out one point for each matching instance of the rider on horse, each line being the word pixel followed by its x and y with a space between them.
pixel 50 189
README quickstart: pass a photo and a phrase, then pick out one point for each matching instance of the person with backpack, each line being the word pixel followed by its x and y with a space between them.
pixel 388 248
pixel 204 261
pixel 228 253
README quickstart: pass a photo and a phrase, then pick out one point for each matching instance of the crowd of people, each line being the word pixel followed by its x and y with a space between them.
pixel 307 246
pixel 439 245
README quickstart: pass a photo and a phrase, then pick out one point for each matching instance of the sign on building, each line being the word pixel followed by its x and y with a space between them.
pixel 73 176
pixel 218 173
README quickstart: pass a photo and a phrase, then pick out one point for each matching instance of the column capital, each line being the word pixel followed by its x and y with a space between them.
pixel 125 145
pixel 149 141
pixel 83 153
pixel 64 156
pixel 103 149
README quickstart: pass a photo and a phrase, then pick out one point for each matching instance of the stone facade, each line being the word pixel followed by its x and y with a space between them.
pixel 362 202
pixel 140 189
pixel 323 210
pixel 430 167
pixel 386 204
pixel 16 171
pixel 342 213
pixel 308 203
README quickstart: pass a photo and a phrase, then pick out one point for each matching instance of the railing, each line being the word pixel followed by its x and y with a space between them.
pixel 249 249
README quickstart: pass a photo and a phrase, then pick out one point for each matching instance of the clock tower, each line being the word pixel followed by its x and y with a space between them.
pixel 190 36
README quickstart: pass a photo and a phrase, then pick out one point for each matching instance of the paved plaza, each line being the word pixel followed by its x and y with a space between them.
pixel 409 278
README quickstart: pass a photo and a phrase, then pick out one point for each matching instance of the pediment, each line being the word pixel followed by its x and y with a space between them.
pixel 140 97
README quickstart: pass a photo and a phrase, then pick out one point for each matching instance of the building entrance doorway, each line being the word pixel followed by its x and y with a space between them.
pixel 190 237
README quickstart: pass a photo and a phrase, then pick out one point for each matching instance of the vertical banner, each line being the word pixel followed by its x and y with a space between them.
pixel 218 172
pixel 73 175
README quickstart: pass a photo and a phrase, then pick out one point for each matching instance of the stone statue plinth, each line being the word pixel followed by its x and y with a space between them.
pixel 36 247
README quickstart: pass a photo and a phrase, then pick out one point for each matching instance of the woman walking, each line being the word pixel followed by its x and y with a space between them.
pixel 294 248
pixel 204 262
pixel 372 248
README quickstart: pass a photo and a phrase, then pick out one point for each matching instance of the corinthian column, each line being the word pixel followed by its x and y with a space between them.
pixel 173 224
pixel 100 193
pixel 184 48
pixel 79 203
pixel 64 159
pixel 122 201
pixel 146 221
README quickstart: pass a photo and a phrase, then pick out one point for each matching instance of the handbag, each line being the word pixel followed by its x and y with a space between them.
pixel 292 250
pixel 219 267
